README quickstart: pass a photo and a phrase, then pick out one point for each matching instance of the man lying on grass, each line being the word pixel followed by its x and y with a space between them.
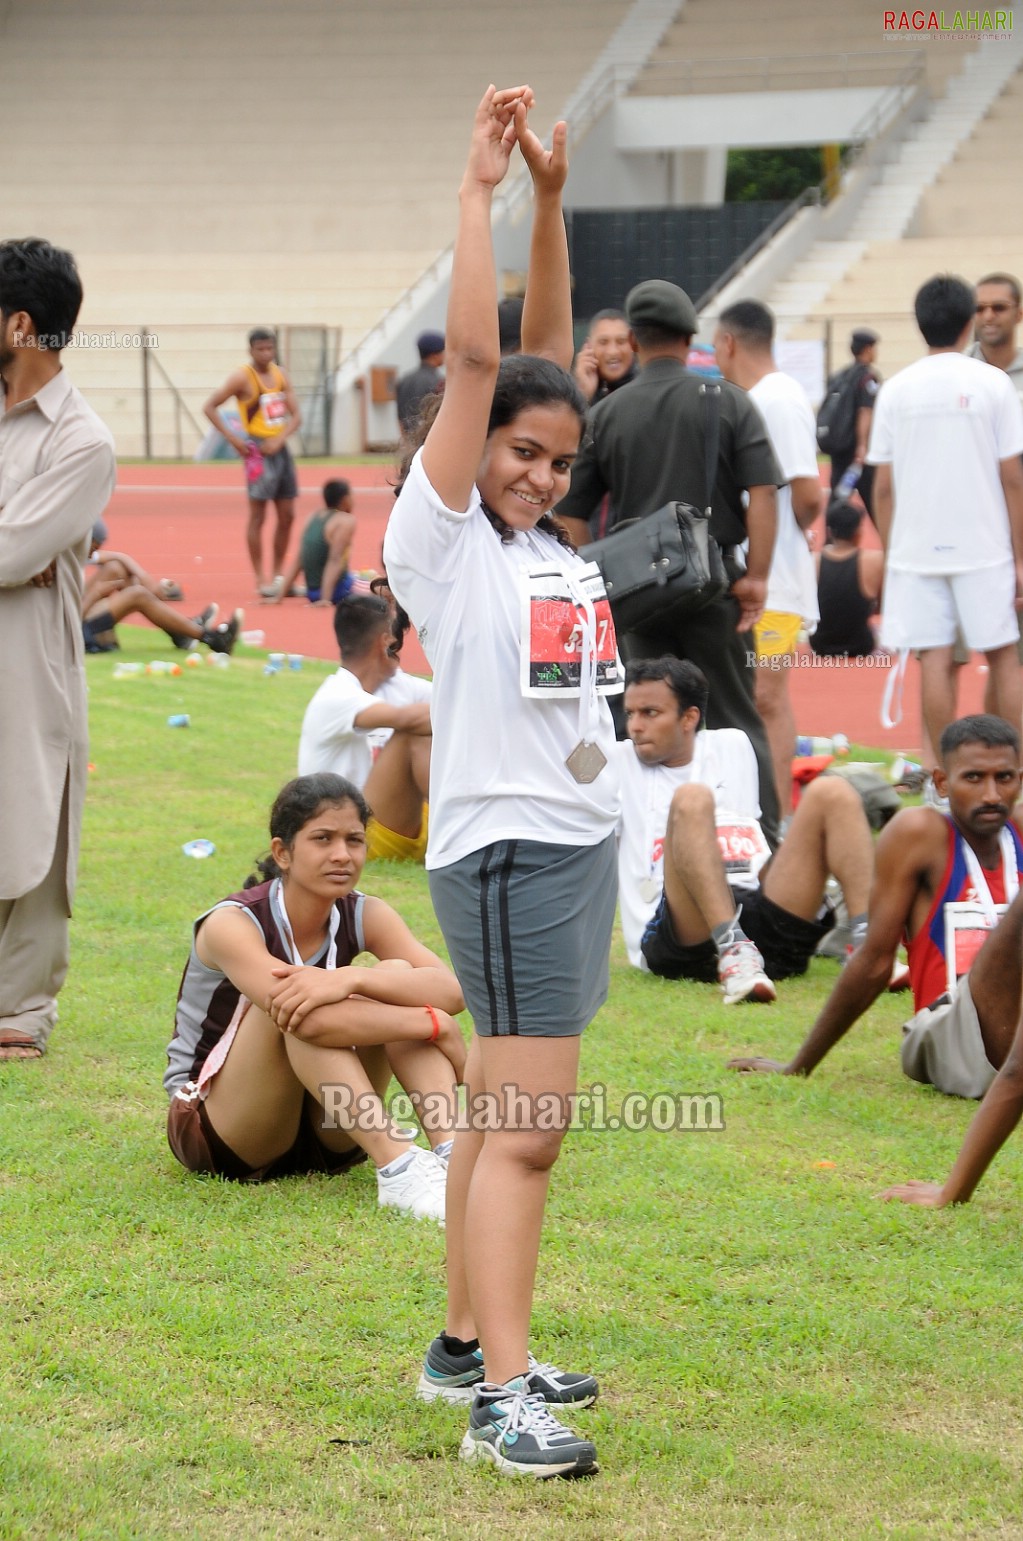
pixel 699 900
pixel 949 882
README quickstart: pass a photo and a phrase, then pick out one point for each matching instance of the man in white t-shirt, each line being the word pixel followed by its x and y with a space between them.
pixel 370 722
pixel 947 439
pixel 742 343
pixel 698 899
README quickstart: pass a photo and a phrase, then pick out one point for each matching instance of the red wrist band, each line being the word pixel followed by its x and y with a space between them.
pixel 436 1023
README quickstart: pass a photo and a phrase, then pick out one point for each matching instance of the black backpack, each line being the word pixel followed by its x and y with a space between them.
pixel 836 419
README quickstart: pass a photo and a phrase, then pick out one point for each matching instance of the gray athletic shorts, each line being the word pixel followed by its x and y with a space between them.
pixel 528 927
pixel 276 480
pixel 942 1046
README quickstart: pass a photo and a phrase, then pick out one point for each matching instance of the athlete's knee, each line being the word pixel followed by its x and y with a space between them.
pixel 691 801
pixel 833 795
pixel 532 1150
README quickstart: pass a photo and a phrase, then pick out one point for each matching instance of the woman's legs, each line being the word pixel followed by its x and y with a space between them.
pixel 507 1191
pixel 459 1322
pixel 255 1102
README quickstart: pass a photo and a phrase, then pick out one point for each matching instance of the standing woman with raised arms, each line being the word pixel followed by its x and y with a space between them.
pixel 523 794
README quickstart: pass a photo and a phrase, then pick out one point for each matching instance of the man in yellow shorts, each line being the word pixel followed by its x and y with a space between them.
pixel 370 722
pixel 270 415
pixel 742 343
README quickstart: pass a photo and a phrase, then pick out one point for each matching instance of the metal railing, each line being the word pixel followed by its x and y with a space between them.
pixel 150 362
pixel 900 96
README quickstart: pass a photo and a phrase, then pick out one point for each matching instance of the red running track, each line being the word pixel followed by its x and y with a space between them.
pixel 187 522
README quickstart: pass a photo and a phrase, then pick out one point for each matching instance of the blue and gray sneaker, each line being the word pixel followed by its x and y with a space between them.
pixel 456 1377
pixel 513 1429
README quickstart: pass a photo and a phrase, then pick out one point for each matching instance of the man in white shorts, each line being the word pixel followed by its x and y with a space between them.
pixel 946 440
pixel 697 898
pixel 370 722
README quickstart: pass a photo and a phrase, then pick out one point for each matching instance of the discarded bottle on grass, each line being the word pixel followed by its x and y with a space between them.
pixel 847 484
pixel 178 720
pixel 837 744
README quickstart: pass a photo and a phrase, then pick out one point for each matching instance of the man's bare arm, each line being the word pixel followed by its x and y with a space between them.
pixel 884 502
pixel 807 500
pixel 902 858
pixel 235 385
pixel 993 1122
pixel 762 524
pixel 414 718
pixel 1011 473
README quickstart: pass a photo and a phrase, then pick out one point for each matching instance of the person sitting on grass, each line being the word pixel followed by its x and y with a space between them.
pixel 113 591
pixel 323 552
pixel 950 884
pixel 370 722
pixel 701 896
pixel 283 1048
pixel 849 579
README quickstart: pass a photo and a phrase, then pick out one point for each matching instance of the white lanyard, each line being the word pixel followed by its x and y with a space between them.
pixel 1010 877
pixel 284 925
pixel 589 701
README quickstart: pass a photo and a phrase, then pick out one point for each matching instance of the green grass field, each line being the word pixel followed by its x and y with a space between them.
pixel 780 1354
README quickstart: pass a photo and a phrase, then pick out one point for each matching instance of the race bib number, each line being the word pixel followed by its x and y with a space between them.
pixel 552 634
pixel 966 931
pixel 744 850
pixel 273 407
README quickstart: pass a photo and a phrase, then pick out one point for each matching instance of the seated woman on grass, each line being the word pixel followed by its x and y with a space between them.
pixel 282 1048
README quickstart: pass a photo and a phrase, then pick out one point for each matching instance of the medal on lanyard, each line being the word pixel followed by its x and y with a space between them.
pixel 587 759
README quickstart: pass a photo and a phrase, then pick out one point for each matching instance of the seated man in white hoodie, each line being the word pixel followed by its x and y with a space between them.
pixel 701 897
pixel 370 722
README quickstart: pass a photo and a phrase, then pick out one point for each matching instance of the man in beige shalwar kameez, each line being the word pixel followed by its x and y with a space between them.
pixel 57 472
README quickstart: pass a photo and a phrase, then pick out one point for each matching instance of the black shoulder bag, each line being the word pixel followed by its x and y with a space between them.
pixel 666 566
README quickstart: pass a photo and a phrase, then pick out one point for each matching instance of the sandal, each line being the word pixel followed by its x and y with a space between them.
pixel 19 1048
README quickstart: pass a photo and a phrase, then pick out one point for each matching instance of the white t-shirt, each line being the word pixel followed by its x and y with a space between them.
pixel 330 741
pixel 724 760
pixel 944 424
pixel 498 767
pixel 785 408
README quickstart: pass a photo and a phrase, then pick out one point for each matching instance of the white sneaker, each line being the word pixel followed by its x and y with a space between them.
pixel 899 979
pixel 418 1189
pixel 741 972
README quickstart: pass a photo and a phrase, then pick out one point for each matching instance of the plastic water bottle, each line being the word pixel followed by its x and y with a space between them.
pixel 847 485
pixel 178 720
pixel 838 744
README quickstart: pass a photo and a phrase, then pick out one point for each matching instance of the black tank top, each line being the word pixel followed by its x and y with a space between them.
pixel 843 628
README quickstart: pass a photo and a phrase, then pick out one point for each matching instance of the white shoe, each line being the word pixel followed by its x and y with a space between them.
pixel 418 1189
pixel 899 979
pixel 741 972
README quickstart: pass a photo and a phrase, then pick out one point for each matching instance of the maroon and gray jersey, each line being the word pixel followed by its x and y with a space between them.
pixel 207 999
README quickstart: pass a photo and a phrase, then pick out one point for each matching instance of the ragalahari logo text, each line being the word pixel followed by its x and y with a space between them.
pixel 950 23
